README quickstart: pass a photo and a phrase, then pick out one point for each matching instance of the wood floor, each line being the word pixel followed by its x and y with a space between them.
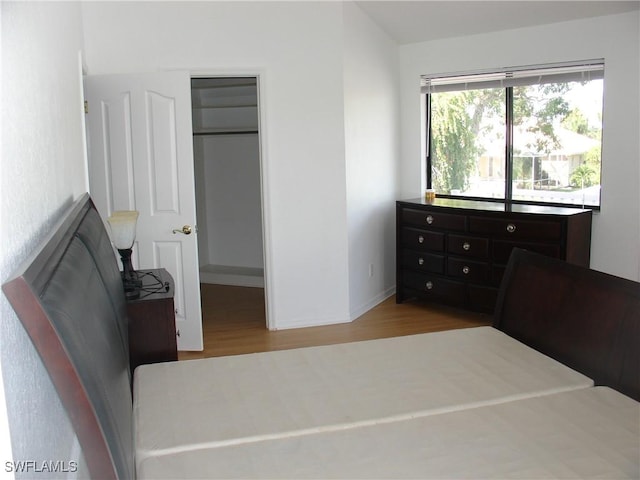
pixel 234 323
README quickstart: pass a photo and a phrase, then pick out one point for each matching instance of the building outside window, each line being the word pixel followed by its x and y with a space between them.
pixel 530 135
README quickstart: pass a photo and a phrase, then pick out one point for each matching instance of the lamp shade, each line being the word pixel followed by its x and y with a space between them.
pixel 123 228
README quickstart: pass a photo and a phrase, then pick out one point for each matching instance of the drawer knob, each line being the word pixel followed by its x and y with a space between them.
pixel 466 270
pixel 421 261
pixel 429 219
pixel 429 285
pixel 511 228
pixel 466 246
pixel 420 239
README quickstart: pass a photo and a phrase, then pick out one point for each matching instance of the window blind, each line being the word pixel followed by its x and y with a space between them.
pixel 514 76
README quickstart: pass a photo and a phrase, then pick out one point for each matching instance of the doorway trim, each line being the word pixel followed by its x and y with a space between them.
pixel 259 74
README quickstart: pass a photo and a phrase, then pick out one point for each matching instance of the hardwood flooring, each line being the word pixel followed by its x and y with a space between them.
pixel 234 323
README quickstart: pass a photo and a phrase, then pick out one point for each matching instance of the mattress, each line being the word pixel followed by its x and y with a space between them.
pixel 588 433
pixel 227 401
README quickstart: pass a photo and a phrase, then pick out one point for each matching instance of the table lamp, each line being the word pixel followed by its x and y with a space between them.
pixel 123 232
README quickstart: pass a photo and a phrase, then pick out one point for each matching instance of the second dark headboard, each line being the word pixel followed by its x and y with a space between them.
pixel 588 320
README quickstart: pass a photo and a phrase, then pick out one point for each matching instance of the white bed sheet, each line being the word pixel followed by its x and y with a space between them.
pixel 231 400
pixel 588 433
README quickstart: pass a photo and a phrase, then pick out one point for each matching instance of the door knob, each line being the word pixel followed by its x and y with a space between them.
pixel 186 230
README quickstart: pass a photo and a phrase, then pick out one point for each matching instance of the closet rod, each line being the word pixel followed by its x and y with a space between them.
pixel 230 132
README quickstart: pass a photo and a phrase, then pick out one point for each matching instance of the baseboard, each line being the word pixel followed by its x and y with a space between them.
pixel 234 276
pixel 307 322
pixel 381 297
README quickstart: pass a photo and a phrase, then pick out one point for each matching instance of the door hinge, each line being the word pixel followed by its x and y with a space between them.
pixel 86 107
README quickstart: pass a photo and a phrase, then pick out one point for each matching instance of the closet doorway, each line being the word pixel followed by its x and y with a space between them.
pixel 226 147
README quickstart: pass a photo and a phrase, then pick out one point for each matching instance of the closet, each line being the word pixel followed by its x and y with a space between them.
pixel 227 180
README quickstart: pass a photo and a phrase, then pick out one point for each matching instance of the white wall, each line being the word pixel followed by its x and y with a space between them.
pixel 296 48
pixel 371 115
pixel 616 228
pixel 233 199
pixel 42 172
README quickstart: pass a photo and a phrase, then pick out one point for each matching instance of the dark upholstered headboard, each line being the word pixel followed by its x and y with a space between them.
pixel 585 319
pixel 70 299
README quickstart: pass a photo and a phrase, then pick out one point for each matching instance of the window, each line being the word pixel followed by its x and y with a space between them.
pixel 526 135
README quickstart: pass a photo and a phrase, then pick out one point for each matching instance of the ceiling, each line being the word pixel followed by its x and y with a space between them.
pixel 423 20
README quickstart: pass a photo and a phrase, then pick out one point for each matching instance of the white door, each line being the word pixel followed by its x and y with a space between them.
pixel 141 158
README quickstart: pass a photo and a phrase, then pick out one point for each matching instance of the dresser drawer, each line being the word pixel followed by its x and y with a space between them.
pixel 426 262
pixel 502 249
pixel 434 219
pixel 468 246
pixel 435 287
pixel 422 239
pixel 516 228
pixel 468 270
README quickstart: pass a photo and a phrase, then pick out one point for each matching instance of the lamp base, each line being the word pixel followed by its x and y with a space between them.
pixel 131 285
pixel 131 294
pixel 130 281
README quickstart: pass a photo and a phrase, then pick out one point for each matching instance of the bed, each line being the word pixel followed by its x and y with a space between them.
pixel 551 390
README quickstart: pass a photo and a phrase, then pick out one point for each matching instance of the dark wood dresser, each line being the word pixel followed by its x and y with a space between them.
pixel 455 251
pixel 152 321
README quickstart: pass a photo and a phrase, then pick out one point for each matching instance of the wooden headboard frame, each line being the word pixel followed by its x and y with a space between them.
pixel 588 320
pixel 69 297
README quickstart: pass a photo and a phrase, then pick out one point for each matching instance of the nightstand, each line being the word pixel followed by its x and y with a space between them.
pixel 152 324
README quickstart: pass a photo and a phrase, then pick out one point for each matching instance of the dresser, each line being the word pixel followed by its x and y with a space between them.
pixel 152 321
pixel 455 251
